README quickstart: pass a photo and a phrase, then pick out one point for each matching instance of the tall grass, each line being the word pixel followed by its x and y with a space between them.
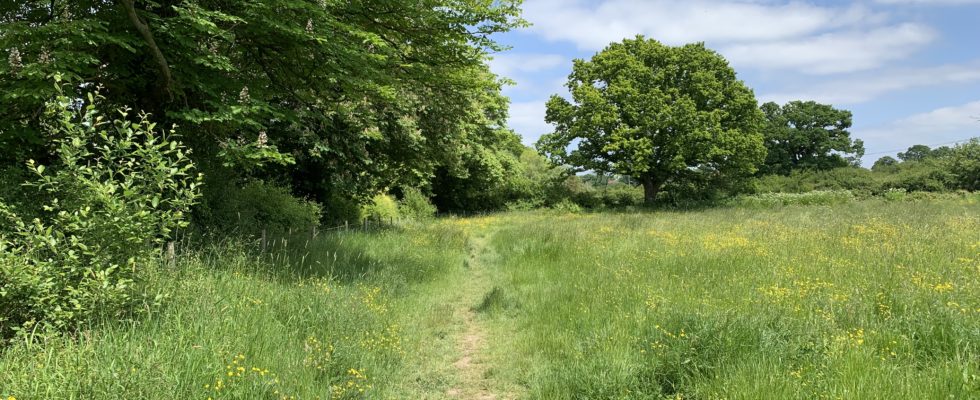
pixel 336 317
pixel 863 299
pixel 859 300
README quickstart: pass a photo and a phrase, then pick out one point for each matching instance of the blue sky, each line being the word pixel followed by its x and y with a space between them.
pixel 909 70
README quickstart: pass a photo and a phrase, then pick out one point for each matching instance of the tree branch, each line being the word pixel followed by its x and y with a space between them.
pixel 166 79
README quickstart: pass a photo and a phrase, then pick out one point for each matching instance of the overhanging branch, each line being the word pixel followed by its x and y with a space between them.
pixel 166 79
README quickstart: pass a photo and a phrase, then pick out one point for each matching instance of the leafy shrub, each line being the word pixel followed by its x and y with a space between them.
pixel 768 200
pixel 801 181
pixel 118 192
pixel 894 194
pixel 622 195
pixel 581 191
pixel 523 205
pixel 339 210
pixel 415 205
pixel 929 175
pixel 964 165
pixel 382 207
pixel 258 206
pixel 574 189
pixel 567 206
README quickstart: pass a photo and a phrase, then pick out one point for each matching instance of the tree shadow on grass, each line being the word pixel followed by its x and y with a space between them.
pixel 343 256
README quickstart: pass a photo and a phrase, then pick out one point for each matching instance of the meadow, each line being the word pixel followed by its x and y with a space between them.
pixel 863 300
pixel 858 299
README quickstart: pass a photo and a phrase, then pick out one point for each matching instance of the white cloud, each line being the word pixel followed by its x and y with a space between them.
pixel 836 52
pixel 866 87
pixel 592 27
pixel 527 119
pixel 510 64
pixel 795 36
pixel 941 125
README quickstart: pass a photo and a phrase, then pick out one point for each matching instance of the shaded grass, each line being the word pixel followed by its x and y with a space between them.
pixel 348 322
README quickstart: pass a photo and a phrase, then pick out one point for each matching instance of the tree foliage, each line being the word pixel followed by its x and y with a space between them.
pixel 964 160
pixel 884 163
pixel 917 152
pixel 921 152
pixel 952 168
pixel 656 113
pixel 808 135
pixel 344 98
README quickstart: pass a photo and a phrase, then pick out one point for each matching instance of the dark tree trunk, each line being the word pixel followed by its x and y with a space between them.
pixel 651 187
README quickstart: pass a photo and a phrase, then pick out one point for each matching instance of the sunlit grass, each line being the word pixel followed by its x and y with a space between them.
pixel 866 299
pixel 862 300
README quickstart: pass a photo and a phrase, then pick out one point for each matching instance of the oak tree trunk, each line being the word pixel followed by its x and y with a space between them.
pixel 651 187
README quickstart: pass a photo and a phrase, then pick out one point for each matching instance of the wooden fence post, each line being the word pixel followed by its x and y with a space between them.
pixel 263 240
pixel 171 254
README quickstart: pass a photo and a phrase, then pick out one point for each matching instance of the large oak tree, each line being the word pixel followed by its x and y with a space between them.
pixel 659 114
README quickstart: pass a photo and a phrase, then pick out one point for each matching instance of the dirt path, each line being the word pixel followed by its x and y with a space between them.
pixel 471 369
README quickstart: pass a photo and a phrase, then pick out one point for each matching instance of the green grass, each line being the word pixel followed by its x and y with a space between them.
pixel 860 300
pixel 865 299
pixel 324 320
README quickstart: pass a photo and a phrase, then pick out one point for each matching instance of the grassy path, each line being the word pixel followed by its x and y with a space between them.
pixel 471 367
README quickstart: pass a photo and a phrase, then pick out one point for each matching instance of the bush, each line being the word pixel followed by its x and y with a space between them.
pixel 964 165
pixel 567 206
pixel 576 190
pixel 259 206
pixel 802 181
pixel 582 192
pixel 621 195
pixel 382 207
pixel 339 210
pixel 894 194
pixel 415 205
pixel 523 205
pixel 930 175
pixel 769 200
pixel 118 192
